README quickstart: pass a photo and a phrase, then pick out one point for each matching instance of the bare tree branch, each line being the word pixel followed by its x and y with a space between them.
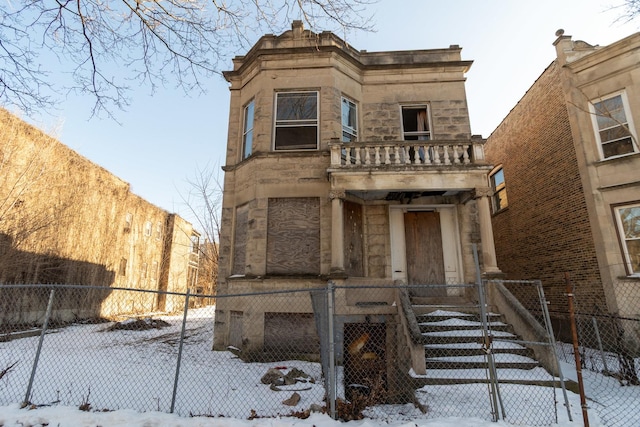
pixel 50 48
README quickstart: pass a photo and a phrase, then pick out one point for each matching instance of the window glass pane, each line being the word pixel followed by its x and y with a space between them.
pixel 498 178
pixel 297 106
pixel 630 218
pixel 248 116
pixel 617 148
pixel 499 189
pixel 296 138
pixel 349 114
pixel 248 130
pixel 613 133
pixel 610 112
pixel 633 249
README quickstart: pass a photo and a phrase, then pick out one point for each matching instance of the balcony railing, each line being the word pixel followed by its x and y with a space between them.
pixel 424 153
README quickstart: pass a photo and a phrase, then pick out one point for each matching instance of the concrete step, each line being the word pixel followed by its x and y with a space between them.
pixel 440 315
pixel 501 360
pixel 474 348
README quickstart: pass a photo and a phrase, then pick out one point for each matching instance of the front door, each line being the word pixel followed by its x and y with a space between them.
pixel 425 261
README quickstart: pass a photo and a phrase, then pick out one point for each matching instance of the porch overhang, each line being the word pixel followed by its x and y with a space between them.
pixel 409 179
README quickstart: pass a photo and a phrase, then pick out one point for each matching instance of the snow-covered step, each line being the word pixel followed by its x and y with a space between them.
pixel 473 348
pixel 501 360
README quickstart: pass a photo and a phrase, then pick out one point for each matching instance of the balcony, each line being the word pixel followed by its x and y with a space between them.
pixel 423 154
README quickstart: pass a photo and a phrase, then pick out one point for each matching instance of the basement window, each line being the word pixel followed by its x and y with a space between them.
pixel 296 125
pixel 611 121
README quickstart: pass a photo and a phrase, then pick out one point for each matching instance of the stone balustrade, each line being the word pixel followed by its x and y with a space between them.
pixel 423 153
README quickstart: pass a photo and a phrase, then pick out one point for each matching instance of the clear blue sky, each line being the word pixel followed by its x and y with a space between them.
pixel 162 138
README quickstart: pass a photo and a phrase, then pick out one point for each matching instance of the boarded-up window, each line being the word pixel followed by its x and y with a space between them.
pixel 353 234
pixel 290 333
pixel 293 236
pixel 240 240
pixel 235 329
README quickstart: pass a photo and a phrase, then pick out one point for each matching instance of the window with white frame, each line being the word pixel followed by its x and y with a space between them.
pixel 247 132
pixel 349 120
pixel 296 124
pixel 416 123
pixel 628 218
pixel 499 199
pixel 612 122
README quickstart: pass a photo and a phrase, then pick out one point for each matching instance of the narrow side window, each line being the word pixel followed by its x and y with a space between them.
pixel 247 133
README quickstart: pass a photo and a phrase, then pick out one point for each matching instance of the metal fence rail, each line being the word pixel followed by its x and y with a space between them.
pixel 609 351
pixel 384 352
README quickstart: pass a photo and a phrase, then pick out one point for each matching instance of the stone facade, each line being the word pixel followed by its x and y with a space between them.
pixel 564 184
pixel 65 220
pixel 328 149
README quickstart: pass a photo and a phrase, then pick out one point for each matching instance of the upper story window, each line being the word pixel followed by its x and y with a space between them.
pixel 122 268
pixel 349 120
pixel 147 228
pixel 416 123
pixel 628 218
pixel 194 244
pixel 158 230
pixel 128 219
pixel 247 132
pixel 499 199
pixel 296 126
pixel 614 130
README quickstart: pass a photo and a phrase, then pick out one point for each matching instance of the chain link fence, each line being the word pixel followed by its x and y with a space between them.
pixel 608 342
pixel 391 353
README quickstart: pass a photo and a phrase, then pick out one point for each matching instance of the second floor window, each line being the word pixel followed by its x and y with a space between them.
pixel 415 123
pixel 247 133
pixel 349 121
pixel 147 228
pixel 296 125
pixel 613 129
pixel 499 199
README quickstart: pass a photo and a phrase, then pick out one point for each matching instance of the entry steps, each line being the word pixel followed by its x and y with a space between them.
pixel 452 335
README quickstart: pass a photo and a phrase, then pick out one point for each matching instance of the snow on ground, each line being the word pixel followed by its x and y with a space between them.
pixel 119 369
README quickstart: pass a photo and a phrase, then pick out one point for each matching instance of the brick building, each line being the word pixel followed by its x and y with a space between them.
pixel 348 165
pixel 66 220
pixel 567 180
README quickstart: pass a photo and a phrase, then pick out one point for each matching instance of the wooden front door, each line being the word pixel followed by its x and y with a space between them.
pixel 425 261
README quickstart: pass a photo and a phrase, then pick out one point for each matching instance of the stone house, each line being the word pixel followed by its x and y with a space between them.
pixel 345 165
pixel 567 180
pixel 66 220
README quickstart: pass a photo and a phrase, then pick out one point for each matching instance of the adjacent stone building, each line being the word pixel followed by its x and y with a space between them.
pixel 567 180
pixel 66 220
pixel 345 165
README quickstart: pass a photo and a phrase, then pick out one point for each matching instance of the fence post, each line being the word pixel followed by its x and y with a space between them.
pixel 576 351
pixel 493 380
pixel 597 332
pixel 552 343
pixel 331 375
pixel 45 324
pixel 184 325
